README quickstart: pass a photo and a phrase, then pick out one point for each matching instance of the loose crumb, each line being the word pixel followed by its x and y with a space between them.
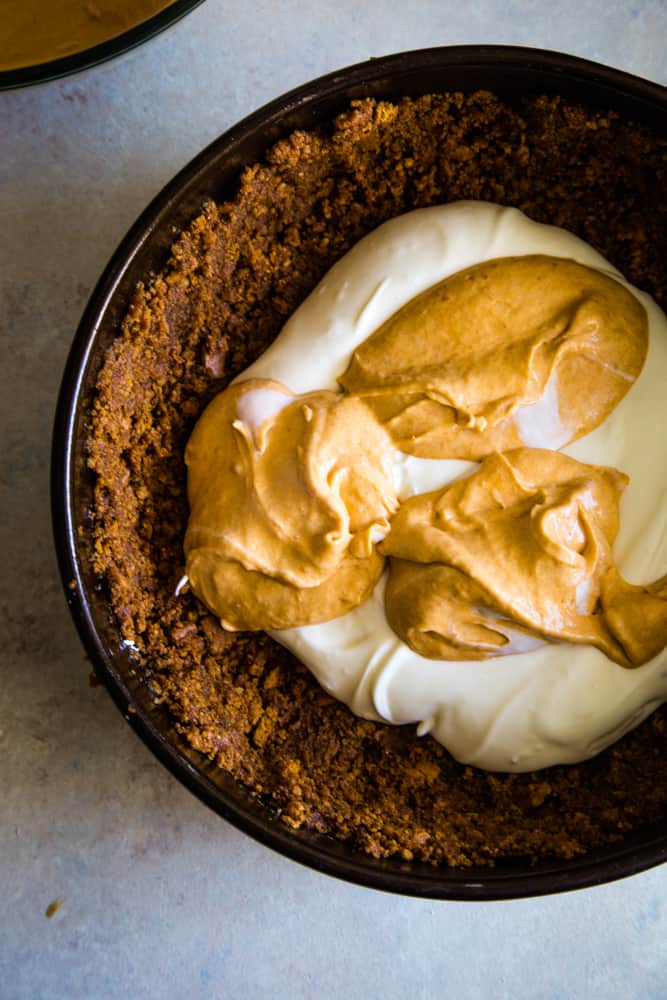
pixel 232 279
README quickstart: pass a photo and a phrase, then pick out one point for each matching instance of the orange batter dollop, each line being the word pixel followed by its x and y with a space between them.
pixel 288 496
pixel 450 372
pixel 520 549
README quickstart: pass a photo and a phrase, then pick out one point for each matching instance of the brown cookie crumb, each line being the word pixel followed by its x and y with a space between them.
pixel 233 278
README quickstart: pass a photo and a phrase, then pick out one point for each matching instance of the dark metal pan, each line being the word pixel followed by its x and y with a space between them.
pixel 510 72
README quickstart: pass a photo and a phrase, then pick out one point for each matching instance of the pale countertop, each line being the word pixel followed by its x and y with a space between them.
pixel 160 898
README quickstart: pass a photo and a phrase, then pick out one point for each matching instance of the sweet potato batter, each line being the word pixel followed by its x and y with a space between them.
pixel 38 31
pixel 522 548
pixel 490 340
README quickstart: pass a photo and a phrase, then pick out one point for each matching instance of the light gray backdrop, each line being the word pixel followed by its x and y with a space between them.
pixel 159 897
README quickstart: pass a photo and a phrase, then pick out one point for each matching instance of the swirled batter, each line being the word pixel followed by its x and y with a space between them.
pixel 353 656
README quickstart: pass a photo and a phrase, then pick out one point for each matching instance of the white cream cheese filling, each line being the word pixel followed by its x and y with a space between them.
pixel 558 703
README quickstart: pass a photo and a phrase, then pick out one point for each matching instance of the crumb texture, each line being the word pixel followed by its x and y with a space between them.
pixel 231 280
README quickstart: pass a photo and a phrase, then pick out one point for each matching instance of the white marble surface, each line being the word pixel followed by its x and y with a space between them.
pixel 159 897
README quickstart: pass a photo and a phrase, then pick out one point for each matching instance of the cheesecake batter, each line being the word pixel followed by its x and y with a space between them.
pixel 554 704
